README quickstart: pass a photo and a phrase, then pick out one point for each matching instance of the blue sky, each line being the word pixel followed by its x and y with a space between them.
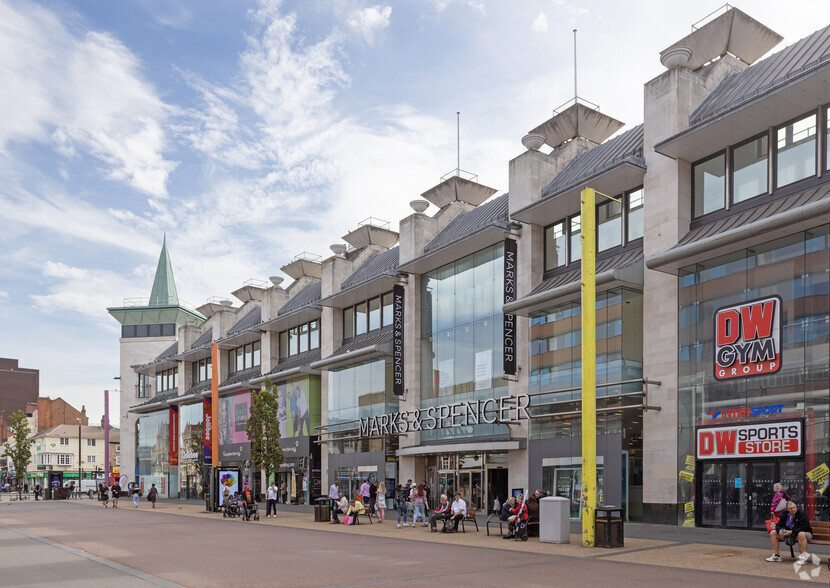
pixel 249 132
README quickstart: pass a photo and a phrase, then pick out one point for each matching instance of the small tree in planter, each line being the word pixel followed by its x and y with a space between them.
pixel 21 453
pixel 263 429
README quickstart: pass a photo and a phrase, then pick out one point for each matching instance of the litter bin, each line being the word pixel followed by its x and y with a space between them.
pixel 55 492
pixel 322 511
pixel 609 527
pixel 554 520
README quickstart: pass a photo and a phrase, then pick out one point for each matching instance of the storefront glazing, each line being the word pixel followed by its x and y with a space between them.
pixel 153 452
pixel 191 451
pixel 737 493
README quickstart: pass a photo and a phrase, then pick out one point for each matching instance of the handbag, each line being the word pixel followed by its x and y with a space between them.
pixel 348 520
pixel 771 523
pixel 781 506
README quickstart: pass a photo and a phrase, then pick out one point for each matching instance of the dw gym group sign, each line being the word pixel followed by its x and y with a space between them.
pixel 768 439
pixel 748 339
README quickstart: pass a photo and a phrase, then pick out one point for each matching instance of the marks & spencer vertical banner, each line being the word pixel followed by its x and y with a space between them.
pixel 397 339
pixel 174 435
pixel 208 430
pixel 748 339
pixel 509 331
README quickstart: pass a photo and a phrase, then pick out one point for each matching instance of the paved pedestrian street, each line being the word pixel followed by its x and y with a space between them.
pixel 79 543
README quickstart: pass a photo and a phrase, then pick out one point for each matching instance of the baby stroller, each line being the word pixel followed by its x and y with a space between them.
pixel 250 511
pixel 230 510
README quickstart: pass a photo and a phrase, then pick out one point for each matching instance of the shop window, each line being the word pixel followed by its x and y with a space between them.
pixel 750 169
pixel 609 225
pixel 796 151
pixel 709 180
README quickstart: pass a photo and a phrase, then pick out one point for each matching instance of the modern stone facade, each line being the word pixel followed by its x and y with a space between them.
pixel 461 420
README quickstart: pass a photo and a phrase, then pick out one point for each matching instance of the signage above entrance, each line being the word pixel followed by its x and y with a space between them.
pixel 498 411
pixel 756 440
pixel 748 339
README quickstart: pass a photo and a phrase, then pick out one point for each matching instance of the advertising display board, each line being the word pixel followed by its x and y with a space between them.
pixel 769 439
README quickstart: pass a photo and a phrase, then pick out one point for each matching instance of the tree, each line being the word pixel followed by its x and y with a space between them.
pixel 263 429
pixel 20 453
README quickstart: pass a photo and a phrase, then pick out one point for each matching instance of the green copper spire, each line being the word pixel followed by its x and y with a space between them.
pixel 164 286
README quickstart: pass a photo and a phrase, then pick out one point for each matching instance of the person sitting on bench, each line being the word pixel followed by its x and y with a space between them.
pixel 517 515
pixel 793 524
pixel 459 511
pixel 441 513
pixel 340 507
pixel 355 508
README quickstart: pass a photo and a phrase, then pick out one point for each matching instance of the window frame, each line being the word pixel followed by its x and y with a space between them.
pixel 726 172
pixel 730 168
pixel 774 138
pixel 64 441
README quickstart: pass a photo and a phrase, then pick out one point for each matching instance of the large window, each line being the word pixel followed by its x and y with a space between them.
pixel 709 181
pixel 65 459
pixel 300 339
pixel 163 330
pixel 742 171
pixel 244 357
pixel 143 386
pixel 796 151
pixel 617 223
pixel 750 165
pixel 44 459
pixel 202 370
pixel 367 316
pixel 167 380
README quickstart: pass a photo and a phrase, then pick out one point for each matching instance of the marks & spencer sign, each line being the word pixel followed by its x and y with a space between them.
pixel 748 339
pixel 755 440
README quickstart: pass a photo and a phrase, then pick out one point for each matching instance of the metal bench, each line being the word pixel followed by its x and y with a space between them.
pixel 470 517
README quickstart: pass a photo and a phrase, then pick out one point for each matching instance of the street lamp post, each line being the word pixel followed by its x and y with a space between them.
pixel 79 456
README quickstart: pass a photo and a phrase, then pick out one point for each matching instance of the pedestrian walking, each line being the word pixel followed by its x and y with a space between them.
pixel 152 495
pixel 136 492
pixel 419 500
pixel 105 497
pixel 402 504
pixel 334 494
pixel 373 496
pixel 272 500
pixel 363 495
pixel 380 502
pixel 116 493
pixel 37 491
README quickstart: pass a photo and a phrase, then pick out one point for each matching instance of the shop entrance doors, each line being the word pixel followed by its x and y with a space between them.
pixel 738 494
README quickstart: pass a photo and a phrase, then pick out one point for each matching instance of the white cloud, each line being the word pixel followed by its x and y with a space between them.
pixel 540 23
pixel 85 93
pixel 368 22
pixel 4 296
pixel 442 5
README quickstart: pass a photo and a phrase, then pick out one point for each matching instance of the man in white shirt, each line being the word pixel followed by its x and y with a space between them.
pixel 459 511
pixel 341 507
pixel 272 499
pixel 334 494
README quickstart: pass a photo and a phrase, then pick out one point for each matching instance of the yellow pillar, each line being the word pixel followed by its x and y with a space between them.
pixel 214 403
pixel 589 364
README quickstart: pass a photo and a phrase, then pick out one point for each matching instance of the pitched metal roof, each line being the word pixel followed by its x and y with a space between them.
pixel 624 259
pixel 738 87
pixel 158 399
pixel 168 353
pixel 242 376
pixel 383 262
pixel 296 361
pixel 164 286
pixel 627 147
pixel 306 297
pixel 495 212
pixel 816 194
pixel 204 340
pixel 250 320
pixel 200 387
pixel 366 340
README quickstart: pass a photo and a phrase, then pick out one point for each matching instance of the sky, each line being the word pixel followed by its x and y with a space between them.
pixel 249 132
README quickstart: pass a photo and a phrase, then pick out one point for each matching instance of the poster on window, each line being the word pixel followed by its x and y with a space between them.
pixel 299 407
pixel 228 484
pixel 234 409
pixel 484 369
pixel 445 376
pixel 748 339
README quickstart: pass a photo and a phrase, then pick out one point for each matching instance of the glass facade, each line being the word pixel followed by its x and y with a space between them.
pixel 152 452
pixel 796 269
pixel 356 392
pixel 461 347
pixel 191 451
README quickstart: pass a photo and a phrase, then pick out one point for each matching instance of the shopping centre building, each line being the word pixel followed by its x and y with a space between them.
pixel 449 350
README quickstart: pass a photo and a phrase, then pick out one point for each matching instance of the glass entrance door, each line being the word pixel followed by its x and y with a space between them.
pixel 738 495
